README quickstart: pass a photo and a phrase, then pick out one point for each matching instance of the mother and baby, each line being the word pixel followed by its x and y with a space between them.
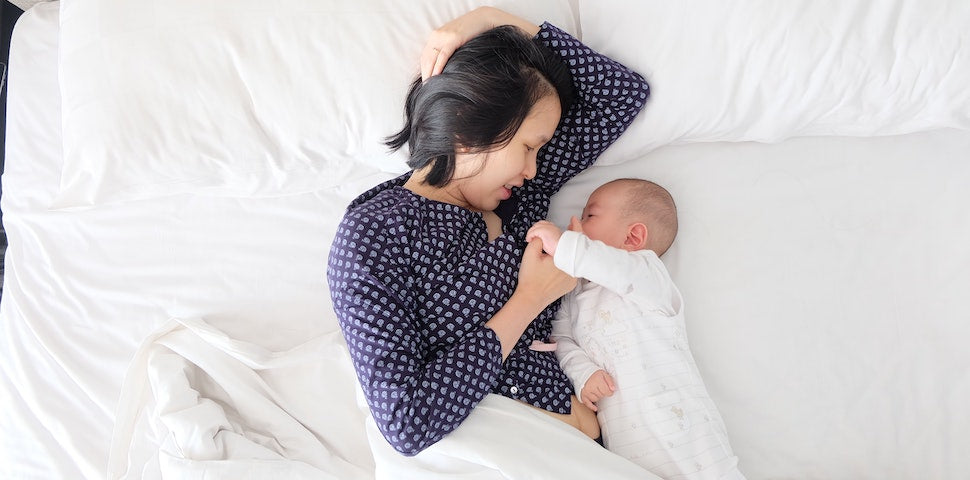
pixel 447 281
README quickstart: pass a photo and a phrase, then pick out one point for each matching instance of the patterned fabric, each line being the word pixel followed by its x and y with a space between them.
pixel 413 280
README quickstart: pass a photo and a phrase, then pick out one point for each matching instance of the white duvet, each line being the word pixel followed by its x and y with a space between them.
pixel 226 408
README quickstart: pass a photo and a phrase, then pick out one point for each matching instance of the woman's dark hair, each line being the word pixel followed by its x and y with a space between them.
pixel 479 100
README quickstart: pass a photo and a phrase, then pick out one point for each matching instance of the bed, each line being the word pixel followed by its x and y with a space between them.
pixel 175 172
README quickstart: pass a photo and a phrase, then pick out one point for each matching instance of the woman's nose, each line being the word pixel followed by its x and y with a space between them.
pixel 530 168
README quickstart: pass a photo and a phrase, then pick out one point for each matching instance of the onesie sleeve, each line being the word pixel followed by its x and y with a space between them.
pixel 638 276
pixel 416 396
pixel 608 96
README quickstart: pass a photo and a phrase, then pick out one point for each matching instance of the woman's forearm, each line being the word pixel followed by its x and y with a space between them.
pixel 496 17
pixel 513 318
pixel 540 283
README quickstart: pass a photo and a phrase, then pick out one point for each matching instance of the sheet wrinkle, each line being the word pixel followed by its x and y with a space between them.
pixel 58 355
pixel 218 410
pixel 267 139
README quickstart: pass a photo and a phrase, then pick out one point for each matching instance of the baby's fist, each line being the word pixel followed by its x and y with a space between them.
pixel 546 231
pixel 599 386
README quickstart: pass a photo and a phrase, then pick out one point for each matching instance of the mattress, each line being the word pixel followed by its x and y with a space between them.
pixel 824 281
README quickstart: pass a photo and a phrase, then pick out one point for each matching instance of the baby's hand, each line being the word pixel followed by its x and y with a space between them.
pixel 546 231
pixel 575 225
pixel 599 386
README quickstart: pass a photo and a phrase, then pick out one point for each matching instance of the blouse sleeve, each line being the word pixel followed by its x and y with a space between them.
pixel 608 96
pixel 416 396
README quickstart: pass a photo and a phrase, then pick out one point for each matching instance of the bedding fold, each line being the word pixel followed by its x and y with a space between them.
pixel 223 408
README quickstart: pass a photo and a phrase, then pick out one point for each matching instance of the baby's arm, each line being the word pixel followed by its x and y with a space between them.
pixel 590 381
pixel 638 276
pixel 550 234
pixel 573 359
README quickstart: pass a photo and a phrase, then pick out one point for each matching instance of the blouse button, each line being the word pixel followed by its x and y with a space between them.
pixel 514 389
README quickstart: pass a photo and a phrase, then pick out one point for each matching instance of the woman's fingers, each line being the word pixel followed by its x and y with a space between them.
pixel 534 248
pixel 444 53
pixel 443 42
pixel 436 53
pixel 539 276
pixel 428 59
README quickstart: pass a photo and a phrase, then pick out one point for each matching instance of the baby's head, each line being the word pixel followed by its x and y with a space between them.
pixel 631 214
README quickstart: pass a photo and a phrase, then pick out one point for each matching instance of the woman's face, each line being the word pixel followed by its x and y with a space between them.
pixel 482 180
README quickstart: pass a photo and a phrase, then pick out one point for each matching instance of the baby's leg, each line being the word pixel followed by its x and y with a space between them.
pixel 581 417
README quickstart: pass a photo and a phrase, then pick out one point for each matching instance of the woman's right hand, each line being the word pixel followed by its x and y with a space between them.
pixel 540 283
pixel 539 278
pixel 444 40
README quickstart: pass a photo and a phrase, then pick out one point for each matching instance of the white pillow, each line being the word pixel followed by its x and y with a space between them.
pixel 240 98
pixel 765 70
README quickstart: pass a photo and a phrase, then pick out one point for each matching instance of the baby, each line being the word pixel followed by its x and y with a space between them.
pixel 621 335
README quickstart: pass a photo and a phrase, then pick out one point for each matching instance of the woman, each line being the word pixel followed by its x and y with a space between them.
pixel 439 297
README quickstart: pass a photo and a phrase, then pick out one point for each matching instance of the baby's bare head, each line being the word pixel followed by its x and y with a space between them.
pixel 651 204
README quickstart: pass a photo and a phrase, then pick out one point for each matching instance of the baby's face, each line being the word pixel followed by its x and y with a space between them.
pixel 602 216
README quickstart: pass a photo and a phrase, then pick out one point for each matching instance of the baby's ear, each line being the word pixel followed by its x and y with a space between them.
pixel 636 237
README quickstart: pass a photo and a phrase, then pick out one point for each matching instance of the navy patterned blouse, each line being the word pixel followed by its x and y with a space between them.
pixel 414 280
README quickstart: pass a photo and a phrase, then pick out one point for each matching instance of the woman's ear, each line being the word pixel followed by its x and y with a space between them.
pixel 636 237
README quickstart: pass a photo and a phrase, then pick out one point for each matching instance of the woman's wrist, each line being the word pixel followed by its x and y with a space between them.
pixel 513 318
pixel 528 303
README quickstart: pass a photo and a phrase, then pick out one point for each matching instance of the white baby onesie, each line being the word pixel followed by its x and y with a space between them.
pixel 626 317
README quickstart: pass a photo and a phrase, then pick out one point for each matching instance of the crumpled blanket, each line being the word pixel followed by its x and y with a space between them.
pixel 199 404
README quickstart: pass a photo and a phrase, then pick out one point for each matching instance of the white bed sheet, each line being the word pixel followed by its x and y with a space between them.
pixel 823 280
